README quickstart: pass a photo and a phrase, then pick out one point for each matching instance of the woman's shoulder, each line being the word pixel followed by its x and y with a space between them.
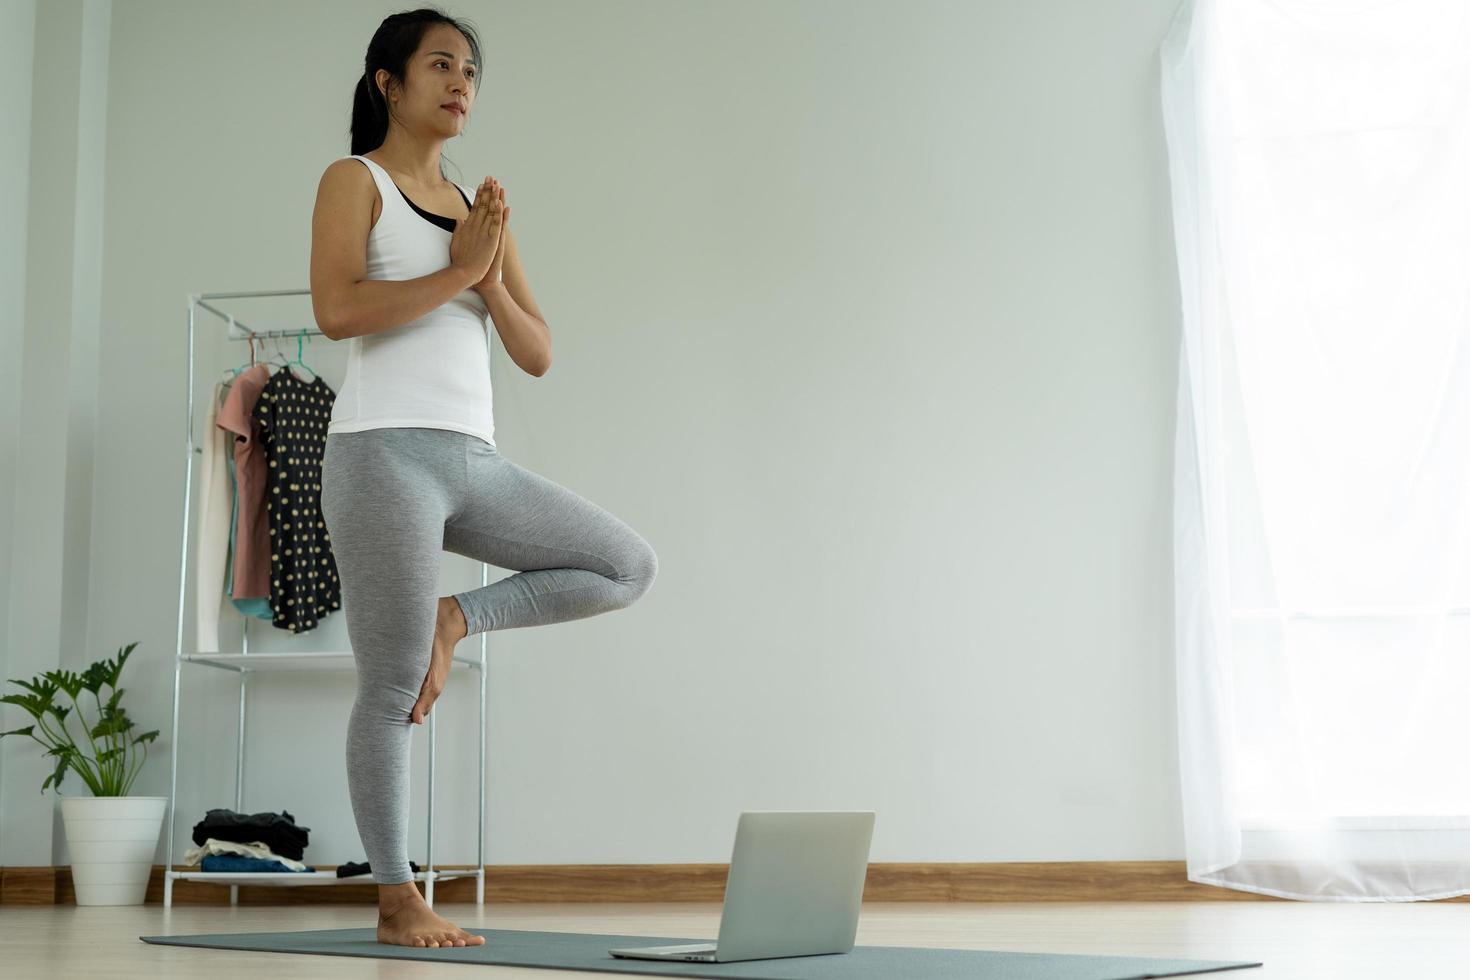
pixel 348 174
pixel 356 164
pixel 346 190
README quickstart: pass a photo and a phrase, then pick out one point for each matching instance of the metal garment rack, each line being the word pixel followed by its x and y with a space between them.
pixel 245 663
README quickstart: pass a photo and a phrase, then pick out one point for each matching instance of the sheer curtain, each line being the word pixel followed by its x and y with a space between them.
pixel 1320 178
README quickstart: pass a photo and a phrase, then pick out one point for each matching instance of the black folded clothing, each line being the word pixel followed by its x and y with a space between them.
pixel 362 867
pixel 278 831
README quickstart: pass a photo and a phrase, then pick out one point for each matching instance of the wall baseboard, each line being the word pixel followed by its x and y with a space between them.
pixel 1052 881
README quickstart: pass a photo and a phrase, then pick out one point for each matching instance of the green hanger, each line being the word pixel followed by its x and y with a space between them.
pixel 299 343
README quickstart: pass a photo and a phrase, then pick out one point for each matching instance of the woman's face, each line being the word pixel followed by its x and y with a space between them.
pixel 441 72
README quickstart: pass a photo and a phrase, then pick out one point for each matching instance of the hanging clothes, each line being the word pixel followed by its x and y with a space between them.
pixel 213 528
pixel 260 608
pixel 251 564
pixel 293 416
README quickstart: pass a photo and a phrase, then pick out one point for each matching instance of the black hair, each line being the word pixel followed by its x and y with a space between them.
pixel 393 44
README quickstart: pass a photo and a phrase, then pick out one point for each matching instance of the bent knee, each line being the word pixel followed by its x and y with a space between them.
pixel 642 570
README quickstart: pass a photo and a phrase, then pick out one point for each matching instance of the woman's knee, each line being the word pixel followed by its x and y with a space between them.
pixel 384 703
pixel 642 569
pixel 392 638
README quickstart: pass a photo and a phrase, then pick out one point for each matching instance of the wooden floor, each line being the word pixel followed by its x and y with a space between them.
pixel 1340 941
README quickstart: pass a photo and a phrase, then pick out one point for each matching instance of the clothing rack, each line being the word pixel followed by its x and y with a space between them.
pixel 245 663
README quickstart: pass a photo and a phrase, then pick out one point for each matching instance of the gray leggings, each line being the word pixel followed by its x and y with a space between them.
pixel 393 500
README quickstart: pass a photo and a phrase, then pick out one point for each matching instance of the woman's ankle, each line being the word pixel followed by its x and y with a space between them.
pixel 450 619
pixel 393 896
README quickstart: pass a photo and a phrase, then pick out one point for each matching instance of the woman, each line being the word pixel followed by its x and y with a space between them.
pixel 407 266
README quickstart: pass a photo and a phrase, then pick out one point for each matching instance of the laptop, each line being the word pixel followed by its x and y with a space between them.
pixel 795 888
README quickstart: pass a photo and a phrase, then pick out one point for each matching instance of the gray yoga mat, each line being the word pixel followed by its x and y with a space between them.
pixel 589 951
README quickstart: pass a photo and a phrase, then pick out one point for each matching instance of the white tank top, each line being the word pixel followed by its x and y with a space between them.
pixel 433 372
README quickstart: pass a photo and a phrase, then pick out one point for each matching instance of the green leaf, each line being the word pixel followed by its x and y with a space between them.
pixel 67 680
pixel 44 690
pixel 55 778
pixel 30 702
pixel 95 676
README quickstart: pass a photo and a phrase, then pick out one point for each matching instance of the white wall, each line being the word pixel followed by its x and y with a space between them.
pixel 57 62
pixel 864 315
pixel 16 50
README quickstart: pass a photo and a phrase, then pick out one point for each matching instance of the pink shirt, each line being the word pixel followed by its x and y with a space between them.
pixel 252 534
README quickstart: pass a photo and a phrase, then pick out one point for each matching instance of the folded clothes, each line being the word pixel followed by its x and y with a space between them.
pixel 253 849
pixel 278 831
pixel 228 862
pixel 362 867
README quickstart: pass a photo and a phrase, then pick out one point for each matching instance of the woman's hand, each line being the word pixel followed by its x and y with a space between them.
pixel 476 239
pixel 492 277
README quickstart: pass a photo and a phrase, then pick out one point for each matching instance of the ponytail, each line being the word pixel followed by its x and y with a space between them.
pixel 369 117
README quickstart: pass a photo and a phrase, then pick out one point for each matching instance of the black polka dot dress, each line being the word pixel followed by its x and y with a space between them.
pixel 293 416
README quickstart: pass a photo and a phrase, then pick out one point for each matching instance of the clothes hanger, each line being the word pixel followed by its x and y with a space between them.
pixel 235 371
pixel 287 364
pixel 300 343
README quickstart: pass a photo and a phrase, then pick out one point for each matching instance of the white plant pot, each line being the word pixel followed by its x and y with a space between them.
pixel 112 840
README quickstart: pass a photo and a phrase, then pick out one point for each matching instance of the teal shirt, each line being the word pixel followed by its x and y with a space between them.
pixel 259 608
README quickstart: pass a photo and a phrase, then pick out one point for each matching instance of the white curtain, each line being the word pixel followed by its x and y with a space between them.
pixel 1320 178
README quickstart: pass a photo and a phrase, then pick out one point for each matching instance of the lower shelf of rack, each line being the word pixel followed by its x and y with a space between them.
pixel 303 877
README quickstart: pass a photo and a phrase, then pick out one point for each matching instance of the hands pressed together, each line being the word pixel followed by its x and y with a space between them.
pixel 478 243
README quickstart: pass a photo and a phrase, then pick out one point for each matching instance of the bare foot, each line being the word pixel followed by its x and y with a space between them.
pixel 449 628
pixel 410 922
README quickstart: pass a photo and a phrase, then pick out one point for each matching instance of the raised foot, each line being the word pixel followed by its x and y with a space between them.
pixel 413 923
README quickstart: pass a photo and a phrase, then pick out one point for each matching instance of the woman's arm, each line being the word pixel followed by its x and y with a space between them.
pixel 516 316
pixel 344 301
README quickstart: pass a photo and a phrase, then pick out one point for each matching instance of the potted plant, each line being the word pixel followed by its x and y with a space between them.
pixel 111 836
